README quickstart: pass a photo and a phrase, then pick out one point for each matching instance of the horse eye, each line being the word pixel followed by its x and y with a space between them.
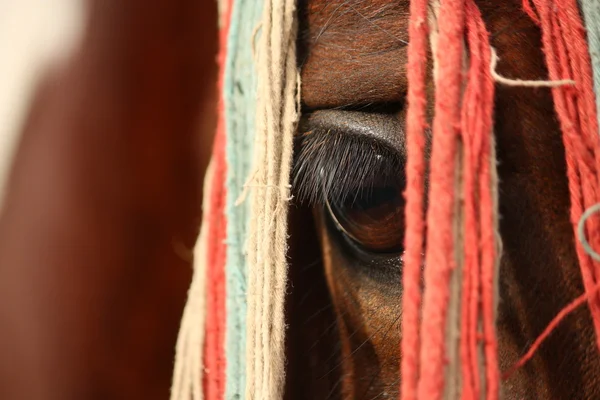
pixel 374 219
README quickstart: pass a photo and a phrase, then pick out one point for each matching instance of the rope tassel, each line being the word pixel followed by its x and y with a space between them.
pixel 277 117
pixel 463 181
pixel 460 273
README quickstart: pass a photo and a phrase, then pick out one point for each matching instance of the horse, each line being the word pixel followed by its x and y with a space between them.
pixel 350 155
pixel 99 319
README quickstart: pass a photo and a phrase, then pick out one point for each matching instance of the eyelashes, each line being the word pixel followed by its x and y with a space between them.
pixel 335 167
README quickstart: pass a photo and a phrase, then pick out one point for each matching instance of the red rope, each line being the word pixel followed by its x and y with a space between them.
pixel 214 344
pixel 479 252
pixel 567 57
pixel 549 329
pixel 415 188
pixel 440 255
pixel 470 121
pixel 423 336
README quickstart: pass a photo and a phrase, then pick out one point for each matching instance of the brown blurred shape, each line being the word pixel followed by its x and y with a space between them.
pixel 103 208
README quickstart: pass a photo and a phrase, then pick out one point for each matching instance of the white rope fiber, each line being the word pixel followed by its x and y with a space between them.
pixel 277 117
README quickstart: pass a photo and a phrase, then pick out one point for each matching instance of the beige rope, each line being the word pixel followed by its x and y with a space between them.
pixel 277 116
pixel 521 82
pixel 498 240
pixel 187 376
pixel 453 370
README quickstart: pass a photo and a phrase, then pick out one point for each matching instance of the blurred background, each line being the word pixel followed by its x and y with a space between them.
pixel 107 114
pixel 34 34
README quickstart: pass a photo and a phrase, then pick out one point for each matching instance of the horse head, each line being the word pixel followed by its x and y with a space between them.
pixel 349 170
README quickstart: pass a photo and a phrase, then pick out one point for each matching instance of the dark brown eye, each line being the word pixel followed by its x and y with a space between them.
pixel 374 219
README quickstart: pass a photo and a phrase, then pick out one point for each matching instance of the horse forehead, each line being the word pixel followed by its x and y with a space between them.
pixel 353 14
pixel 353 52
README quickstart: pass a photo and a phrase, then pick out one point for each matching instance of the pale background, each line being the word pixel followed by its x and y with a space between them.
pixel 33 35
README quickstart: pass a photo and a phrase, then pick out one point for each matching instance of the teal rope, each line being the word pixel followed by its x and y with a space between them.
pixel 591 14
pixel 240 111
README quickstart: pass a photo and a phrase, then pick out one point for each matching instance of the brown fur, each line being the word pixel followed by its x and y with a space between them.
pixel 353 54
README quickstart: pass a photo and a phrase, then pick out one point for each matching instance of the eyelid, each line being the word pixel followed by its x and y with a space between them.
pixel 331 164
pixel 337 222
pixel 386 128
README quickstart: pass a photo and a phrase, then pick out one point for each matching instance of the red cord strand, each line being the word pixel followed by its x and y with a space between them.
pixel 415 190
pixel 214 344
pixel 479 251
pixel 568 309
pixel 567 57
pixel 439 255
